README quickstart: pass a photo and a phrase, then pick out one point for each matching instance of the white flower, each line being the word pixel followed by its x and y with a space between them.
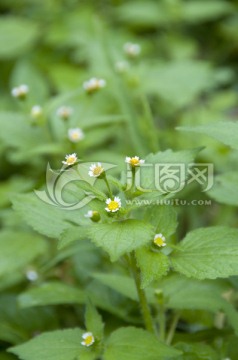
pixel 89 214
pixel 20 91
pixel 159 240
pixel 134 161
pixel 32 275
pixel 64 112
pixel 93 215
pixel 36 111
pixel 70 159
pixel 131 49
pixel 113 205
pixel 88 339
pixel 75 135
pixel 95 170
pixel 94 84
pixel 121 66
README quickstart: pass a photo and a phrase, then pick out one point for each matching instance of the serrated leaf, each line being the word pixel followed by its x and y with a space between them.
pixel 18 250
pixel 224 131
pixel 224 189
pixel 55 345
pixel 153 265
pixel 72 234
pixel 131 343
pixel 37 214
pixel 51 293
pixel 121 237
pixel 163 218
pixel 93 321
pixel 207 253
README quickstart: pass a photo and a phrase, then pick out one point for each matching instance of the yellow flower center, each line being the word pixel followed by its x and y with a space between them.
pixel 159 241
pixel 75 135
pixel 134 162
pixel 113 205
pixel 97 171
pixel 71 160
pixel 88 340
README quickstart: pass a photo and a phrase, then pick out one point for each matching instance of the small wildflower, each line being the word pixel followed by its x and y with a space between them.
pixel 113 205
pixel 64 112
pixel 32 275
pixel 93 215
pixel 20 91
pixel 88 339
pixel 96 170
pixel 131 49
pixel 93 85
pixel 159 240
pixel 70 159
pixel 36 111
pixel 121 66
pixel 134 161
pixel 75 135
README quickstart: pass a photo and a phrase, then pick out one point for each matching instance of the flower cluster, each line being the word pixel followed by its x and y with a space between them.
pixel 159 240
pixel 134 161
pixel 36 111
pixel 75 135
pixel 93 85
pixel 88 339
pixel 20 91
pixel 70 159
pixel 113 205
pixel 96 170
pixel 64 112
pixel 131 50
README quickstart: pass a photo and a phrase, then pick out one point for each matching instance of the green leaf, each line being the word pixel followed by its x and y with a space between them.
pixel 175 85
pixel 55 345
pixel 17 36
pixel 183 293
pixel 224 131
pixel 136 344
pixel 120 283
pixel 153 265
pixel 196 351
pixel 225 189
pixel 72 234
pixel 197 11
pixel 93 321
pixel 37 213
pixel 15 326
pixel 51 293
pixel 163 218
pixel 119 238
pixel 207 253
pixel 18 249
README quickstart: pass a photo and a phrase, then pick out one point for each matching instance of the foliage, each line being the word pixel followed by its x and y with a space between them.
pixel 139 259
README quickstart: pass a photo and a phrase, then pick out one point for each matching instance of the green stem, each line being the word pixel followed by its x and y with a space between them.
pixel 153 140
pixel 172 328
pixel 145 309
pixel 108 186
pixel 162 322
